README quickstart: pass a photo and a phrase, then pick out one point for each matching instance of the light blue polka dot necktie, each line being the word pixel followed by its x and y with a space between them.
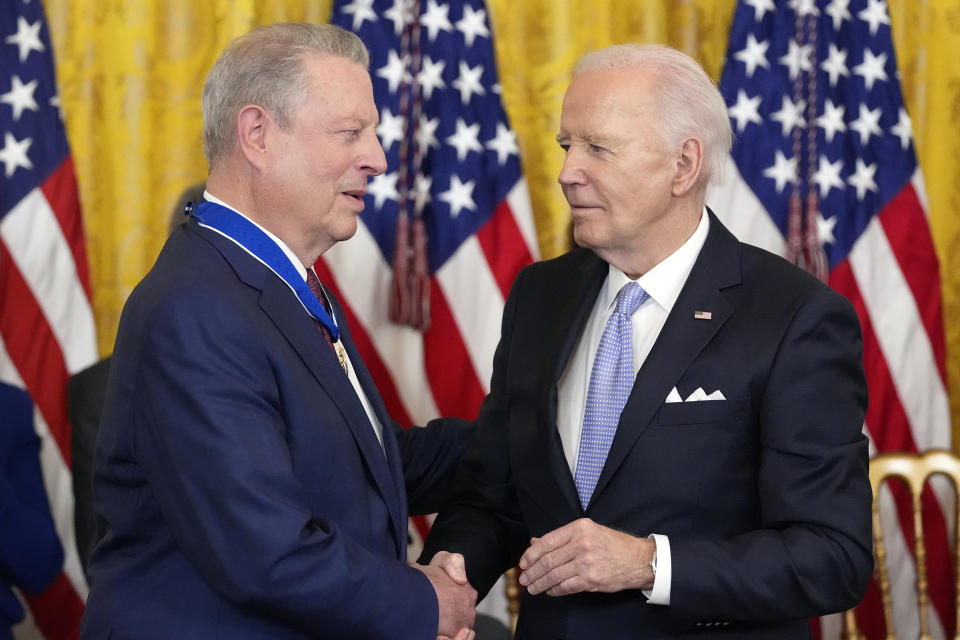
pixel 611 381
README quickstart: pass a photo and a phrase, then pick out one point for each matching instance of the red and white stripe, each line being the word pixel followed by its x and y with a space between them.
pixel 431 373
pixel 47 334
pixel 892 278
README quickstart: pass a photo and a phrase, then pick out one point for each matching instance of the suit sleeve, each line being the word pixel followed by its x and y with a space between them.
pixel 483 519
pixel 211 441
pixel 811 553
pixel 430 456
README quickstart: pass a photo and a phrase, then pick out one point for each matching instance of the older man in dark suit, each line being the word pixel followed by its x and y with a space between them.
pixel 672 442
pixel 250 482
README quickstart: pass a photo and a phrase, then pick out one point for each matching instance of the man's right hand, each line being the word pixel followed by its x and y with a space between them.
pixel 457 599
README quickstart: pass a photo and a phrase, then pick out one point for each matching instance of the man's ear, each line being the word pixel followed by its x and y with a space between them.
pixel 689 166
pixel 252 124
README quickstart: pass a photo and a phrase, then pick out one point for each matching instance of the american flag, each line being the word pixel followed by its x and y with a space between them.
pixel 448 227
pixel 824 171
pixel 46 321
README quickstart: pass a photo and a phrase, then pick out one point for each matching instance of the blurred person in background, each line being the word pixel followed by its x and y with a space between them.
pixel 31 557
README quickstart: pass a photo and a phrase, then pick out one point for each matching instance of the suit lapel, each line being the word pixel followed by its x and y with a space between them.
pixel 391 450
pixel 682 338
pixel 280 304
pixel 571 313
pixel 568 317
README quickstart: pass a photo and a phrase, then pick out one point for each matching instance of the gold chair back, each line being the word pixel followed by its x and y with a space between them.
pixel 914 470
pixel 514 593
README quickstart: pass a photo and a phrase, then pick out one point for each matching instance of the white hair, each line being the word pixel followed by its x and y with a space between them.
pixel 265 67
pixel 688 102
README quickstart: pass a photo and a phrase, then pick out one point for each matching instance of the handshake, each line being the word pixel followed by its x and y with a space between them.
pixel 580 556
pixel 457 599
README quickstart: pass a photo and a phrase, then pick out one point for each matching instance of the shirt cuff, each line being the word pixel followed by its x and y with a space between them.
pixel 660 594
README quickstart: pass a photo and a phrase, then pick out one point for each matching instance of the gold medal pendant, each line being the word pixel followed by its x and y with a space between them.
pixel 341 355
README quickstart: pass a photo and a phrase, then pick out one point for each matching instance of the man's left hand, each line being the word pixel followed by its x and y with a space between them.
pixel 586 556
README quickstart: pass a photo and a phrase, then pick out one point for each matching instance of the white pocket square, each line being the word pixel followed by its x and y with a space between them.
pixel 698 395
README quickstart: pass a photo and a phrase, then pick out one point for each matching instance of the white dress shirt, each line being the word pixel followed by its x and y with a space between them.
pixel 663 284
pixel 302 270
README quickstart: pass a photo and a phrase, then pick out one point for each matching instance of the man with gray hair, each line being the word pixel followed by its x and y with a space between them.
pixel 248 481
pixel 672 442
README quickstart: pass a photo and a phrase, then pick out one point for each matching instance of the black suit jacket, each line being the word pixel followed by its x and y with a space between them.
pixel 764 496
pixel 85 393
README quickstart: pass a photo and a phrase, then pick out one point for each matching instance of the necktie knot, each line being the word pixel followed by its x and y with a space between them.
pixel 629 298
pixel 314 283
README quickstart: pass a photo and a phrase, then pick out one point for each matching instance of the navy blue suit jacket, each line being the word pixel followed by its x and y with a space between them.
pixel 238 483
pixel 764 496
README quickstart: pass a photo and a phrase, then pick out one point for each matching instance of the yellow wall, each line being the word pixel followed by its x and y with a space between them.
pixel 130 75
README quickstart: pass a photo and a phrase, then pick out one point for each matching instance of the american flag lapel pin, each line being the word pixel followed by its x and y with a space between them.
pixel 702 315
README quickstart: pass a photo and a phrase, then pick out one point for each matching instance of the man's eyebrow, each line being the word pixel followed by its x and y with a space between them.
pixel 350 122
pixel 589 138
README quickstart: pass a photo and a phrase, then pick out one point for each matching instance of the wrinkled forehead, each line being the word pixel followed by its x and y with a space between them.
pixel 332 73
pixel 339 84
pixel 616 95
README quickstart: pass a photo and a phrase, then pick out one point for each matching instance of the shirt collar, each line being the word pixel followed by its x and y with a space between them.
pixel 302 270
pixel 665 280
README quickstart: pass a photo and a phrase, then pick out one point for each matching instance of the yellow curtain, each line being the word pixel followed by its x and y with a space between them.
pixel 130 75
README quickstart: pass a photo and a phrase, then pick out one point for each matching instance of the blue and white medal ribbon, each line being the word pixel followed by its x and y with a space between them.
pixel 233 225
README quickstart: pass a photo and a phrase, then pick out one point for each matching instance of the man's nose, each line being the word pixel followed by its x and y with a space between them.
pixel 572 171
pixel 374 160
